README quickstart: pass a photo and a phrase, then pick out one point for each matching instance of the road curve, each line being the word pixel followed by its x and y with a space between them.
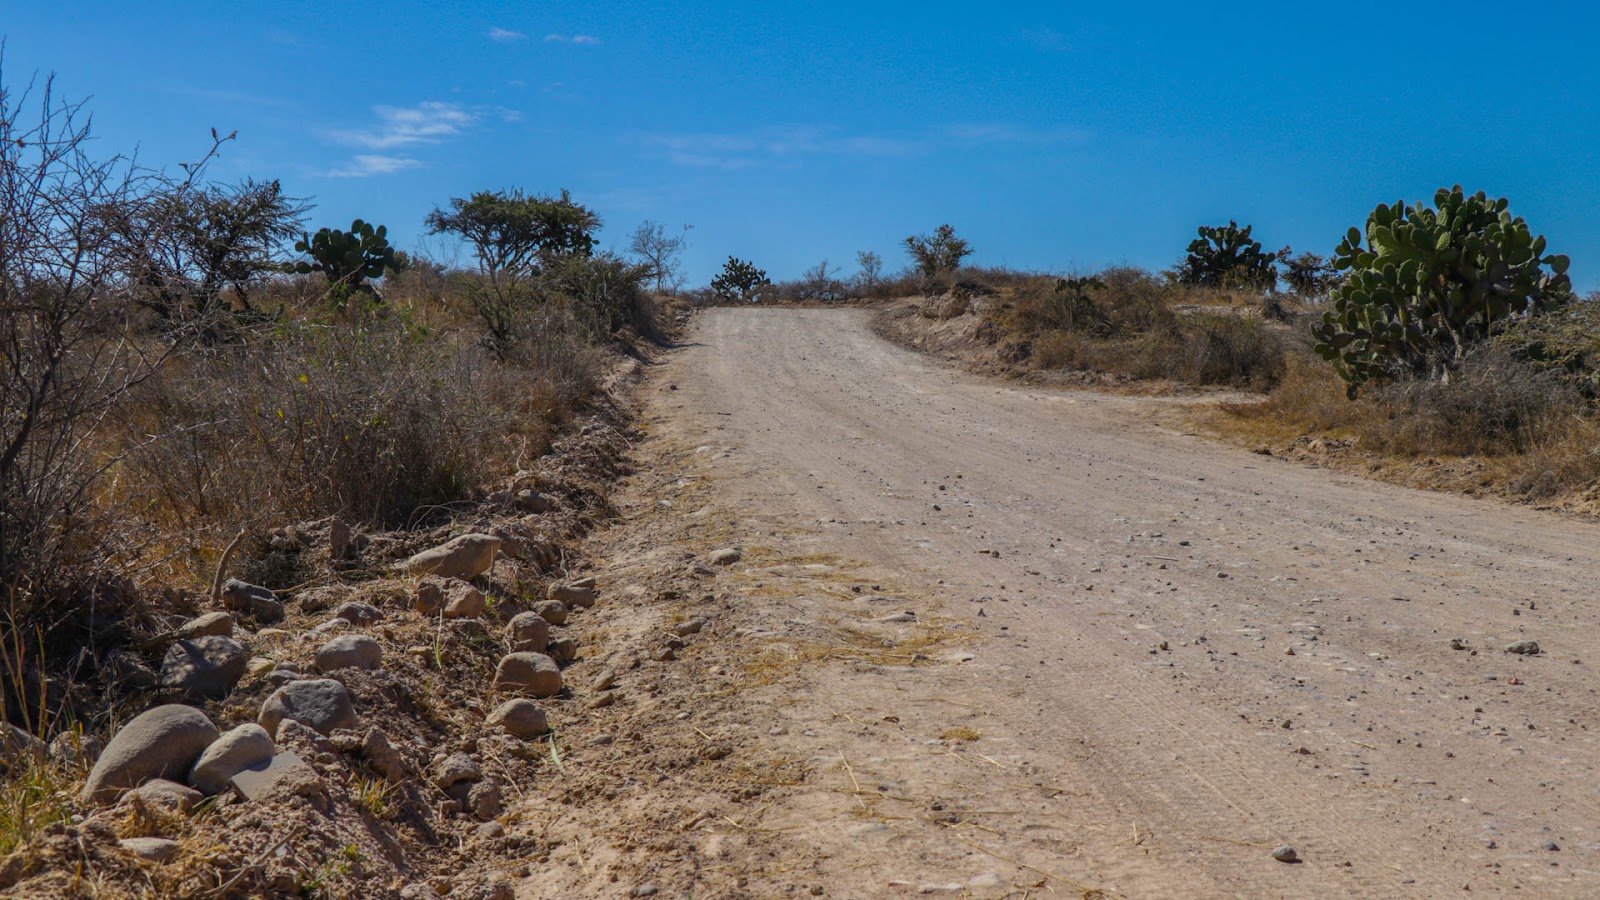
pixel 1226 649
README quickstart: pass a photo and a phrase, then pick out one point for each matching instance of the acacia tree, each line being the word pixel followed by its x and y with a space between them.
pixel 871 269
pixel 937 254
pixel 513 234
pixel 660 253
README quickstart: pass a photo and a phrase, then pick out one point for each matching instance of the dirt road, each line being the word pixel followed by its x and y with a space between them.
pixel 1174 655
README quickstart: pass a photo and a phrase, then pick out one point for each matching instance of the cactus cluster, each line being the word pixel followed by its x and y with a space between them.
pixel 1225 256
pixel 1430 282
pixel 348 258
pixel 740 280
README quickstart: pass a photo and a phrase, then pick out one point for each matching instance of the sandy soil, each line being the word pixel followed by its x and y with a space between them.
pixel 1017 641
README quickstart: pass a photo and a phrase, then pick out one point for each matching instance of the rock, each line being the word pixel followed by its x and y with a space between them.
pixel 521 718
pixel 693 626
pixel 986 880
pixel 218 624
pixel 75 749
pixel 563 651
pixel 528 632
pixel 245 746
pixel 19 744
pixel 488 831
pixel 462 601
pixel 160 743
pixel 429 598
pixel 454 769
pixel 419 892
pixel 1525 648
pixel 127 670
pixel 648 889
pixel 1458 643
pixel 168 795
pixel 587 582
pixel 664 654
pixel 1285 853
pixel 284 768
pixel 604 680
pixel 534 674
pixel 552 611
pixel 151 849
pixel 332 626
pixel 255 601
pixel 260 665
pixel 572 595
pixel 484 800
pixel 1550 846
pixel 384 758
pixel 280 677
pixel 349 651
pixel 465 557
pixel 725 557
pixel 358 613
pixel 321 703
pixel 293 735
pixel 205 668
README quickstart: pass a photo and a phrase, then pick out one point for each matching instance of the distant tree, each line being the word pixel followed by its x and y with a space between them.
pixel 871 269
pixel 739 280
pixel 819 283
pixel 1309 274
pixel 659 253
pixel 937 254
pixel 513 234
pixel 1225 256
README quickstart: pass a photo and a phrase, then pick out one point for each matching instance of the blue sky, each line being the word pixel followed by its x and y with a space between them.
pixel 1054 136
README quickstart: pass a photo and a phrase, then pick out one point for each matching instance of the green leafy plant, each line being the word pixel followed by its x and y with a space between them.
pixel 1431 282
pixel 349 259
pixel 1309 274
pixel 937 254
pixel 1225 256
pixel 739 280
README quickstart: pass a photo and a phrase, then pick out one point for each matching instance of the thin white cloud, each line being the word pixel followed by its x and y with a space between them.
pixel 368 165
pixel 585 39
pixel 397 126
pixel 506 35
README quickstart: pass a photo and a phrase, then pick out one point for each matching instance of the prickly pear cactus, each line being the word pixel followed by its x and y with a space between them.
pixel 348 258
pixel 1226 256
pixel 1431 282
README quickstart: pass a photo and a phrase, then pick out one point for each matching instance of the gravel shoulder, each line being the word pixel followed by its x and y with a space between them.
pixel 993 639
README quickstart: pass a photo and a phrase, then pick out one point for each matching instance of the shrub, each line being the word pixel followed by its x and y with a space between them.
pixel 937 255
pixel 1311 275
pixel 1430 283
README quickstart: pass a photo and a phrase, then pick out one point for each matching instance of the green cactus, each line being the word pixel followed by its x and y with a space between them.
pixel 348 258
pixel 1224 256
pixel 1072 308
pixel 1430 283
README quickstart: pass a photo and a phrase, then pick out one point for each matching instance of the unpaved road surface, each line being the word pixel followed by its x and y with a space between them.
pixel 1174 655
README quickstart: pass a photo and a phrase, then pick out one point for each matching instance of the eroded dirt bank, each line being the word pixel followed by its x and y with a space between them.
pixel 1008 641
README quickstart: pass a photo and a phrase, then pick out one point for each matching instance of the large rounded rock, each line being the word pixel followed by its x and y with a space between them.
pixel 349 651
pixel 574 595
pixel 320 703
pixel 161 743
pixel 204 668
pixel 168 795
pixel 553 611
pixel 463 601
pixel 358 612
pixel 239 749
pixel 529 632
pixel 465 557
pixel 533 674
pixel 520 718
pixel 208 625
pixel 257 602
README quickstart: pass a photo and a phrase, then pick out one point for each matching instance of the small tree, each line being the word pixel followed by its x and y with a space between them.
pixel 513 234
pixel 1429 283
pixel 937 254
pixel 739 280
pixel 871 269
pixel 819 283
pixel 660 253
pixel 1225 256
pixel 1309 274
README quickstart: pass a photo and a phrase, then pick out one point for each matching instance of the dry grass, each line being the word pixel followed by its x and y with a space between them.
pixel 1511 429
